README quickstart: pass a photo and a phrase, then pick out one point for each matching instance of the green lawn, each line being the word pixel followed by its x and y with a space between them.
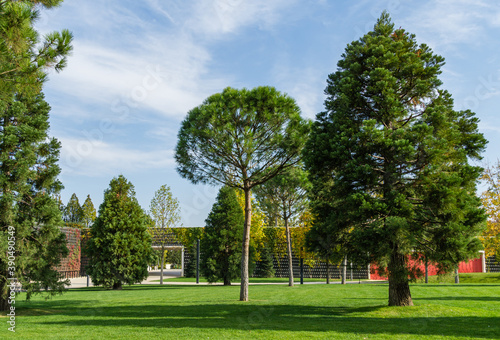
pixel 441 311
pixel 251 280
pixel 448 278
pixel 465 278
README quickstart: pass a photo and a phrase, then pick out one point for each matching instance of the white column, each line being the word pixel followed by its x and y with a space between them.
pixel 483 261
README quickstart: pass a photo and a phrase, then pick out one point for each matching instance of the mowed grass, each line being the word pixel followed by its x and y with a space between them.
pixel 283 280
pixel 354 311
pixel 464 278
pixel 446 278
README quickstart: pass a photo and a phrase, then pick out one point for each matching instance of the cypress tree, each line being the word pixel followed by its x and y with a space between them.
pixel 120 245
pixel 88 212
pixel 265 267
pixel 223 232
pixel 73 212
pixel 190 266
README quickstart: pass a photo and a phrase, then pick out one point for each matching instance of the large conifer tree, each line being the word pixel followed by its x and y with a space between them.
pixel 31 243
pixel 394 155
pixel 120 245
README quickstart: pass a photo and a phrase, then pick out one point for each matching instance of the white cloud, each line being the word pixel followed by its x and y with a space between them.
pixel 305 85
pixel 159 7
pixel 308 96
pixel 447 23
pixel 488 127
pixel 94 158
pixel 216 17
pixel 144 68
pixel 164 78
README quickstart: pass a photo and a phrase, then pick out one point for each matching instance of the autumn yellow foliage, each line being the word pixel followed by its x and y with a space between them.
pixel 491 202
pixel 275 237
pixel 257 226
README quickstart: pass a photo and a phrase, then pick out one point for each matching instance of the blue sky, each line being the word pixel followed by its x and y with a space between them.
pixel 139 66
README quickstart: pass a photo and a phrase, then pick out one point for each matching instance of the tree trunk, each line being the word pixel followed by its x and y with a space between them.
pixel 327 271
pixel 399 287
pixel 246 246
pixel 4 301
pixel 225 269
pixel 117 285
pixel 344 270
pixel 162 263
pixel 4 304
pixel 289 253
pixel 426 271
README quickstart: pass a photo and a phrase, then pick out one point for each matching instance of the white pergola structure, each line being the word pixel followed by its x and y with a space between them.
pixel 173 248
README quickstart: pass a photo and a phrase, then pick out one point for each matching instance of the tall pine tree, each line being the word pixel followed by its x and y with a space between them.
pixel 120 245
pixel 395 158
pixel 241 138
pixel 223 232
pixel 31 243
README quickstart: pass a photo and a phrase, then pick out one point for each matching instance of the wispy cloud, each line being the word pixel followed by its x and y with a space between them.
pixel 144 64
pixel 447 23
pixel 164 78
pixel 305 85
pixel 488 127
pixel 163 71
pixel 93 158
pixel 160 8
pixel 214 18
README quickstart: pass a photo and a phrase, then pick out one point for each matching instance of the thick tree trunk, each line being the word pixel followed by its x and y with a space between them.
pixel 399 287
pixel 227 282
pixel 246 246
pixel 289 253
pixel 162 263
pixel 117 285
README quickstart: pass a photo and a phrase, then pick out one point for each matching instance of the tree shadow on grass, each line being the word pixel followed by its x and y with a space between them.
pixel 251 316
pixel 125 288
pixel 455 285
pixel 460 298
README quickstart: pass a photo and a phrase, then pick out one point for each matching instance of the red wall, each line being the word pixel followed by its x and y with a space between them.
pixel 472 266
pixel 70 265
